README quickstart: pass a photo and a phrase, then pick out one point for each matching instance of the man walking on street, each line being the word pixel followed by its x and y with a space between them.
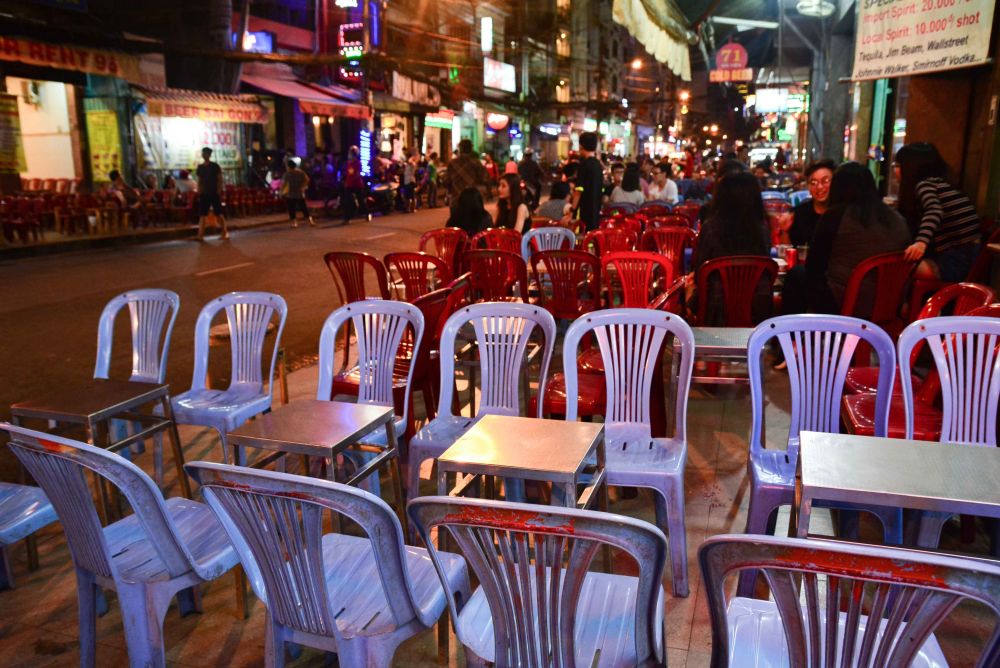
pixel 354 188
pixel 209 190
pixel 465 171
pixel 531 174
pixel 293 186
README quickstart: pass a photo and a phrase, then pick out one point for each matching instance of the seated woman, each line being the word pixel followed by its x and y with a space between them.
pixel 736 224
pixel 629 192
pixel 856 226
pixel 512 212
pixel 469 214
pixel 946 222
pixel 555 207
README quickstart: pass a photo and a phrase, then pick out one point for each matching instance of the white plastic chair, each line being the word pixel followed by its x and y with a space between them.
pixel 163 550
pixel 23 511
pixel 631 342
pixel 357 596
pixel 538 604
pixel 248 315
pixel 152 314
pixel 966 354
pixel 380 326
pixel 821 591
pixel 541 239
pixel 502 332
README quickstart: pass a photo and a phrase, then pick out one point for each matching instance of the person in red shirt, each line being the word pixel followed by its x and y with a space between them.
pixel 354 188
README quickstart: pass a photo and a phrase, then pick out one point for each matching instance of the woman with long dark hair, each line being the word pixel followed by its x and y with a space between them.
pixel 856 226
pixel 736 224
pixel 468 212
pixel 944 221
pixel 512 211
pixel 630 191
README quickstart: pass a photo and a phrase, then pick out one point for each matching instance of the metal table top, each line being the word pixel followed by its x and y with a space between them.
pixel 897 472
pixel 527 448
pixel 308 426
pixel 90 400
pixel 721 340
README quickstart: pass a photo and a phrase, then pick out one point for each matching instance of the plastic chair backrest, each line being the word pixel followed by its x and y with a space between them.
pixel 966 354
pixel 448 243
pixel 419 272
pixel 510 545
pixel 631 341
pixel 961 297
pixel 773 195
pixel 690 210
pixel 59 464
pixel 822 589
pixel 380 326
pixel 248 315
pixel 818 350
pixel 546 239
pixel 348 271
pixel 618 208
pixel 609 241
pixel 502 332
pixel 656 208
pixel 635 273
pixel 891 272
pixel 497 238
pixel 627 223
pixel 494 274
pixel 152 314
pixel 739 276
pixel 798 197
pixel 574 278
pixel 668 221
pixel 671 242
pixel 275 521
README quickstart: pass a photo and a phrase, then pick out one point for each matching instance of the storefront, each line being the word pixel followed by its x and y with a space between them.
pixel 173 126
pixel 437 132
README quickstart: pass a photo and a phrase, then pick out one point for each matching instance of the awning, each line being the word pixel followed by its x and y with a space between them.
pixel 661 28
pixel 311 99
pixel 203 106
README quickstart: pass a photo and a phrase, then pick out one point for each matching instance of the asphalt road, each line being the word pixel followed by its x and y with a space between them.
pixel 50 305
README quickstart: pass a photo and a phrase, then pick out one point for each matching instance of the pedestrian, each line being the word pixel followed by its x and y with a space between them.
pixel 355 198
pixel 294 185
pixel 589 182
pixel 409 183
pixel 944 219
pixel 510 167
pixel 531 174
pixel 465 171
pixel 210 182
pixel 432 181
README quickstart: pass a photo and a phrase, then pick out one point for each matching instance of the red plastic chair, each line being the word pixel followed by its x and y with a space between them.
pixel 891 273
pixel 600 242
pixel 498 238
pixel 497 275
pixel 691 211
pixel 654 210
pixel 432 305
pixel 447 243
pixel 348 271
pixel 420 273
pixel 979 272
pixel 955 299
pixel 635 277
pixel 671 220
pixel 574 280
pixel 739 276
pixel 671 242
pixel 626 223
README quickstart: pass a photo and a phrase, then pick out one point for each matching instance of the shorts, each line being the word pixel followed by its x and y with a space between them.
pixel 953 265
pixel 207 202
pixel 296 205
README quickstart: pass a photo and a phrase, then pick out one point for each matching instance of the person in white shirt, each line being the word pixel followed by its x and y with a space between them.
pixel 662 188
pixel 629 192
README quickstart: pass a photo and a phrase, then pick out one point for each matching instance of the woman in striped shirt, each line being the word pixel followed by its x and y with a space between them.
pixel 947 226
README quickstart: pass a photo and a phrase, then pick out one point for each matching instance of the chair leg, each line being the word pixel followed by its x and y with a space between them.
pixel 413 475
pixel 189 600
pixel 758 521
pixel 931 524
pixel 6 572
pixel 86 596
pixel 143 610
pixel 673 498
pixel 274 645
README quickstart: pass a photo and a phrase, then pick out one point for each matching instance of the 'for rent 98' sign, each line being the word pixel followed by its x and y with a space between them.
pixel 75 58
pixel 904 37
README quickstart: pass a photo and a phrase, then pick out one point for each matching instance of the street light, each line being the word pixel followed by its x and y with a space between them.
pixel 704 128
pixel 715 129
pixel 637 64
pixel 685 96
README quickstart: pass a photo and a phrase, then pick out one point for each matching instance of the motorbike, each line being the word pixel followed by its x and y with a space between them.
pixel 382 197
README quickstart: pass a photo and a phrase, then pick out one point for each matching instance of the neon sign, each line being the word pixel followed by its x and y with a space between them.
pixel 365 152
pixel 350 40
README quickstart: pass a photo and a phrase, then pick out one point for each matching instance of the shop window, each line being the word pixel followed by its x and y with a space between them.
pixel 562 45
pixel 562 93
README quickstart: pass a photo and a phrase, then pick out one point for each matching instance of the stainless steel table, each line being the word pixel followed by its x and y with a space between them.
pixel 895 472
pixel 95 402
pixel 721 344
pixel 552 451
pixel 324 429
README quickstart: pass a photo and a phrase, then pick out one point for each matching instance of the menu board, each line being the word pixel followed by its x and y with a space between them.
pixel 11 149
pixel 105 143
pixel 905 37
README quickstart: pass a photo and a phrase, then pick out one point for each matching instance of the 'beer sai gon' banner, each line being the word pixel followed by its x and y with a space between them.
pixel 905 37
